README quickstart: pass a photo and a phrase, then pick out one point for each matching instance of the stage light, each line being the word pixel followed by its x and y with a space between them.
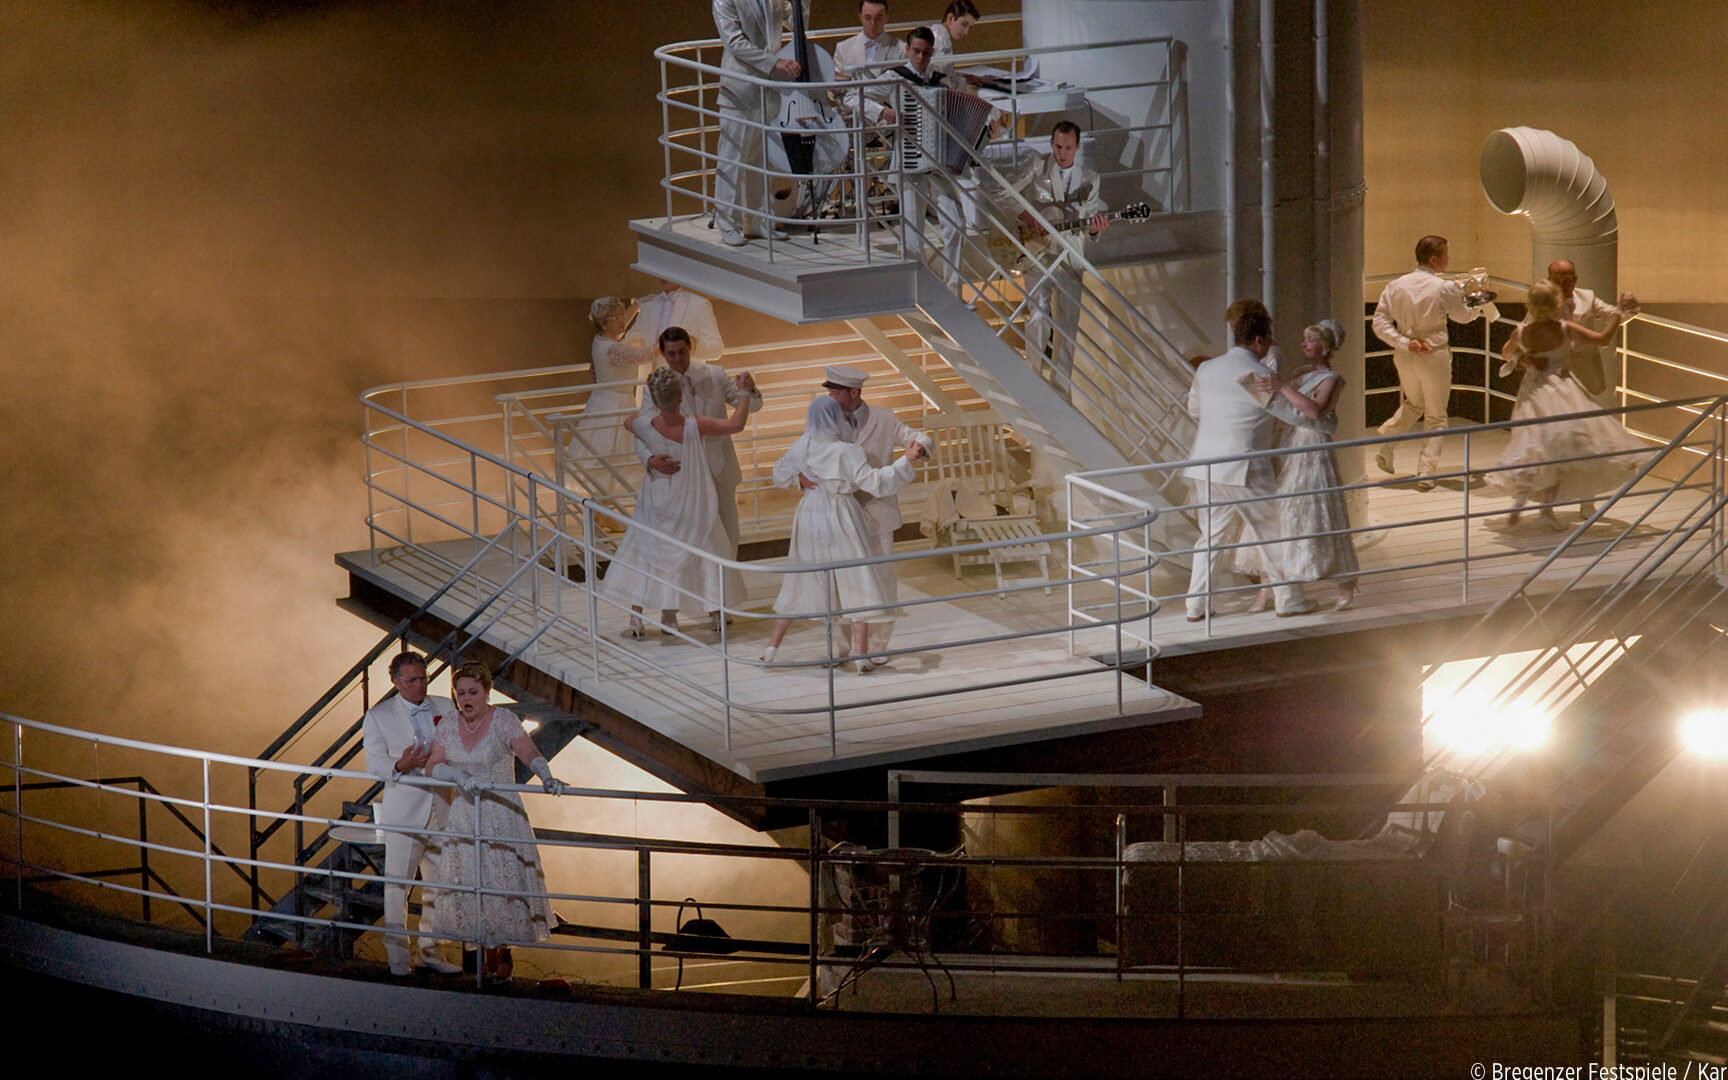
pixel 1705 733
pixel 1522 725
pixel 1465 722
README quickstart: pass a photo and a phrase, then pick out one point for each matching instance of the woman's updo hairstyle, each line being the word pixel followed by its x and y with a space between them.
pixel 1328 333
pixel 1543 301
pixel 601 311
pixel 665 388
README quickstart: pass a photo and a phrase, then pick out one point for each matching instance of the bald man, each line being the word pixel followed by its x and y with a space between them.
pixel 1588 310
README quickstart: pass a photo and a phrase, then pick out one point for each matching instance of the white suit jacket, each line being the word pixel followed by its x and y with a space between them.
pixel 716 395
pixel 1042 185
pixel 850 63
pixel 386 733
pixel 681 307
pixel 752 33
pixel 1231 422
pixel 881 434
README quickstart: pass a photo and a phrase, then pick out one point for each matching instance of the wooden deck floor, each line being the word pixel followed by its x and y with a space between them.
pixel 947 697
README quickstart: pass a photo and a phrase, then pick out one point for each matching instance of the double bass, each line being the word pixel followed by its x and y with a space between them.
pixel 806 137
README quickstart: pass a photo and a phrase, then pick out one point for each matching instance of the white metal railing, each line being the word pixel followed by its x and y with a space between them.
pixel 785 925
pixel 690 81
pixel 1125 376
pixel 461 493
pixel 550 430
pixel 1670 491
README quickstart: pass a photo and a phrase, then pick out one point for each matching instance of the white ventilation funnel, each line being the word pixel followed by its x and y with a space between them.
pixel 1549 180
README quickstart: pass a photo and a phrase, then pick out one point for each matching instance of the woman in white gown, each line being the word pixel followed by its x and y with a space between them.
pixel 1314 516
pixel 617 358
pixel 829 526
pixel 475 749
pixel 1557 461
pixel 650 571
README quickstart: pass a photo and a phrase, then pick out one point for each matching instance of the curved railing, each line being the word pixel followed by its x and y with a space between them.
pixel 804 917
pixel 427 488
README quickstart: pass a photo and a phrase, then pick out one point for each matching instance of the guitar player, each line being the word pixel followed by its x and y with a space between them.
pixel 1061 190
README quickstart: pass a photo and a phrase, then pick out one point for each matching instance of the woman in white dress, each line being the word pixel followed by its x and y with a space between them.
pixel 829 526
pixel 1305 507
pixel 1557 462
pixel 474 750
pixel 617 358
pixel 649 570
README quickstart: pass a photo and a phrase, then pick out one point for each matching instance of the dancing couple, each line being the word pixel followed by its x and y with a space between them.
pixel 1294 518
pixel 844 463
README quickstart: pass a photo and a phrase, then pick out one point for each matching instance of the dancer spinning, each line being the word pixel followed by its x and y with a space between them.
pixel 1561 460
pixel 650 570
pixel 1311 512
pixel 830 526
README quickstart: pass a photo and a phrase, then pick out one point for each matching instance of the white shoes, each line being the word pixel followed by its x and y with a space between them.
pixel 1383 460
pixel 731 237
pixel 767 656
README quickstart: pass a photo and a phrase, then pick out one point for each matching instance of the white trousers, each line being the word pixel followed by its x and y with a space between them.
pixel 1425 388
pixel 402 853
pixel 1053 317
pixel 738 182
pixel 882 543
pixel 1223 525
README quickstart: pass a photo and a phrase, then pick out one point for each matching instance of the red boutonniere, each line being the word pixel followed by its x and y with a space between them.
pixel 435 719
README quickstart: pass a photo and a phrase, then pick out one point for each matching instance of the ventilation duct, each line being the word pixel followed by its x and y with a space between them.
pixel 1549 180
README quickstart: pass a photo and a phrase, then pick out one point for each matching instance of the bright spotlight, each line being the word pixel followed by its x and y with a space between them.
pixel 1466 723
pixel 1705 733
pixel 1523 725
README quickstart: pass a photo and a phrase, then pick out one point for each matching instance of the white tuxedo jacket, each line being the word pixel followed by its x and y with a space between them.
pixel 1231 422
pixel 681 307
pixel 751 32
pixel 386 733
pixel 1042 185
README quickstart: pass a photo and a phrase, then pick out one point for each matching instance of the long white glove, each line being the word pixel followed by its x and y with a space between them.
pixel 465 780
pixel 544 771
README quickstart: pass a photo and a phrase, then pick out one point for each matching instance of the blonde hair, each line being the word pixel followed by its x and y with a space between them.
pixel 1328 333
pixel 1543 301
pixel 665 388
pixel 602 311
pixel 475 670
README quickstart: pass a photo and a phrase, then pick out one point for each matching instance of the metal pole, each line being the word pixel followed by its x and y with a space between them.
pixel 144 850
pixel 474 926
pixel 815 819
pixel 209 898
pixel 588 571
pixel 1116 547
pixel 644 923
pixel 1121 870
pixel 833 718
pixel 726 659
pixel 18 808
pixel 1465 598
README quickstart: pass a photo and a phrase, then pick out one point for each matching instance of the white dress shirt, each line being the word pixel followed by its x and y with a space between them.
pixel 1415 307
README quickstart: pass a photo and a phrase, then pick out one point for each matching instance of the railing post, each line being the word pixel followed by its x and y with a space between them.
pixel 725 664
pixel 815 854
pixel 144 850
pixel 644 922
pixel 209 884
pixel 18 809
pixel 479 897
pixel 1116 546
pixel 1465 598
pixel 833 668
pixel 588 584
pixel 252 827
pixel 1121 891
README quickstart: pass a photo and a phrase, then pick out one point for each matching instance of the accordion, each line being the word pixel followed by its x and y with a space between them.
pixel 925 145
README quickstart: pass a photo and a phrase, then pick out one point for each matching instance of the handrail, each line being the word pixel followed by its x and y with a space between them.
pixel 790 912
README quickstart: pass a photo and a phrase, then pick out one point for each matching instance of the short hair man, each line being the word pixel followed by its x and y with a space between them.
pixel 708 391
pixel 396 735
pixel 865 54
pixel 957 21
pixel 880 433
pixel 1061 190
pixel 1587 310
pixel 1411 317
pixel 1231 494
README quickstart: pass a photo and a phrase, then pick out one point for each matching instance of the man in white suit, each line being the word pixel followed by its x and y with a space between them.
pixel 675 305
pixel 750 32
pixel 1588 310
pixel 397 737
pixel 1062 190
pixel 708 391
pixel 1232 422
pixel 881 434
pixel 871 45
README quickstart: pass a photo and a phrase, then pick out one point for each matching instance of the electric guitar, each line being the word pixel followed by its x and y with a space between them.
pixel 1008 254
